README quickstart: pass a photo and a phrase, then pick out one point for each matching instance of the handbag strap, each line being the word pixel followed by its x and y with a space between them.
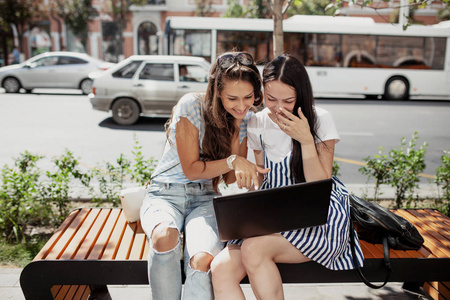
pixel 387 262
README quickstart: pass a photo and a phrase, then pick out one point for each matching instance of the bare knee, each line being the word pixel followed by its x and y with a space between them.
pixel 220 266
pixel 164 238
pixel 201 261
pixel 225 268
pixel 252 253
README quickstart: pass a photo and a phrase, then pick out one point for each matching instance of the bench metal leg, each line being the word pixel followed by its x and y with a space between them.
pixel 416 288
pixel 99 292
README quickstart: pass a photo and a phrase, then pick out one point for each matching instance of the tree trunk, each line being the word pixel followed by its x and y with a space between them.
pixel 278 42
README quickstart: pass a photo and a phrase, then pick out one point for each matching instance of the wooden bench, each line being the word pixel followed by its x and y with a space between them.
pixel 96 247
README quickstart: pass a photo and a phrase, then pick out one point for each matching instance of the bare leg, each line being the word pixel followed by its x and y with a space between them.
pixel 227 272
pixel 260 255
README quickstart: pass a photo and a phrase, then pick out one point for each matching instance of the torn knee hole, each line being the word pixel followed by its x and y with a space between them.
pixel 164 238
pixel 201 261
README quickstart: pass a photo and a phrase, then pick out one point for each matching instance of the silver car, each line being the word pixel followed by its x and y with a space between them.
pixel 63 70
pixel 147 85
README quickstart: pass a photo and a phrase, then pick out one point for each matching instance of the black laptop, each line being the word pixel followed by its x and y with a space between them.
pixel 273 210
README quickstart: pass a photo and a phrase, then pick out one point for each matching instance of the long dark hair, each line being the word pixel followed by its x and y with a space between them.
pixel 291 71
pixel 219 124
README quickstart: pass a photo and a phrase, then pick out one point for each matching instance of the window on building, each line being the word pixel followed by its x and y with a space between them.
pixel 111 46
pixel 147 39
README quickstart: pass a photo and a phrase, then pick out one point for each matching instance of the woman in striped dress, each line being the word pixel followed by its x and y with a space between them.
pixel 296 141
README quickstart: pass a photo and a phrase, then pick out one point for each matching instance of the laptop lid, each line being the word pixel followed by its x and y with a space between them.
pixel 274 210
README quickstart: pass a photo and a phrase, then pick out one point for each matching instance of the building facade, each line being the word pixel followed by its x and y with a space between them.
pixel 145 25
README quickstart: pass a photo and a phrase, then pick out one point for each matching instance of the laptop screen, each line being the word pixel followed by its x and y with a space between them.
pixel 273 210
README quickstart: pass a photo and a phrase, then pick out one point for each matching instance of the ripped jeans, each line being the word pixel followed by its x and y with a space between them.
pixel 188 208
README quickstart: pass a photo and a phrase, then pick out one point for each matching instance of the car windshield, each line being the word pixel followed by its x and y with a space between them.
pixel 128 70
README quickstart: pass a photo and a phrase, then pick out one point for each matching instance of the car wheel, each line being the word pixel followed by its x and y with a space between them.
pixel 86 86
pixel 125 111
pixel 11 85
pixel 397 88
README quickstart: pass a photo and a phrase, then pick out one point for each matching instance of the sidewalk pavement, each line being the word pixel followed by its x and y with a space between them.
pixel 10 290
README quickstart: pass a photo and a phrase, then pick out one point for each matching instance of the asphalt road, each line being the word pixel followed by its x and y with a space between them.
pixel 47 123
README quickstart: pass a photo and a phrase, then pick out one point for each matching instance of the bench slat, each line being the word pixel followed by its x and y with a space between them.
pixel 56 236
pixel 115 239
pixel 439 216
pixel 127 241
pixel 79 237
pixel 83 292
pixel 91 238
pixel 436 223
pixel 430 241
pixel 105 234
pixel 62 292
pixel 67 235
pixel 138 246
pixel 433 226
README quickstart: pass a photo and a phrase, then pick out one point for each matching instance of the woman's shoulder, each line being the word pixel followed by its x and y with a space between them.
pixel 323 115
pixel 326 129
pixel 320 111
pixel 190 103
pixel 192 99
pixel 258 119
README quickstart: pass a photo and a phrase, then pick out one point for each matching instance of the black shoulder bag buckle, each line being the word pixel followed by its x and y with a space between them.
pixel 378 225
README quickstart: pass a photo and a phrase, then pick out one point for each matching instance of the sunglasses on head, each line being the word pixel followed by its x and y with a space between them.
pixel 227 60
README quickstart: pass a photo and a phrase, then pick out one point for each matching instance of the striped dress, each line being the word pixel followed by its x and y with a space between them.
pixel 328 244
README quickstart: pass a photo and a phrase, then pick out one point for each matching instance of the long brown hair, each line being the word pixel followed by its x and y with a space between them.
pixel 291 71
pixel 219 124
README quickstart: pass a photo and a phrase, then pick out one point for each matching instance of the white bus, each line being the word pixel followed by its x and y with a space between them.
pixel 343 55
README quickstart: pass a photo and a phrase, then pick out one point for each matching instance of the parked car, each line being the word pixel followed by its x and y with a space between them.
pixel 147 85
pixel 69 70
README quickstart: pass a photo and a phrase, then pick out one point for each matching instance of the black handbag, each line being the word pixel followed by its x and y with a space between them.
pixel 378 225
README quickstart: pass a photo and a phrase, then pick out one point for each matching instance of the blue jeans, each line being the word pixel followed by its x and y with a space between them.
pixel 188 208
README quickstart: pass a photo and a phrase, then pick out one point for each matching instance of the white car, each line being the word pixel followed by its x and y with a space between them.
pixel 62 70
pixel 148 85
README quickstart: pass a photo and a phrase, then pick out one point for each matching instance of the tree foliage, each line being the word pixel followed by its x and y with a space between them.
pixel 203 8
pixel 19 13
pixel 443 14
pixel 76 15
pixel 119 10
pixel 255 9
pixel 310 7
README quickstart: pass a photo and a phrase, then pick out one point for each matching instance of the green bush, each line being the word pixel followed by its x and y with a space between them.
pixel 405 165
pixel 443 181
pixel 30 196
pixel 336 168
pixel 400 169
pixel 55 189
pixel 111 178
pixel 377 168
pixel 20 197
